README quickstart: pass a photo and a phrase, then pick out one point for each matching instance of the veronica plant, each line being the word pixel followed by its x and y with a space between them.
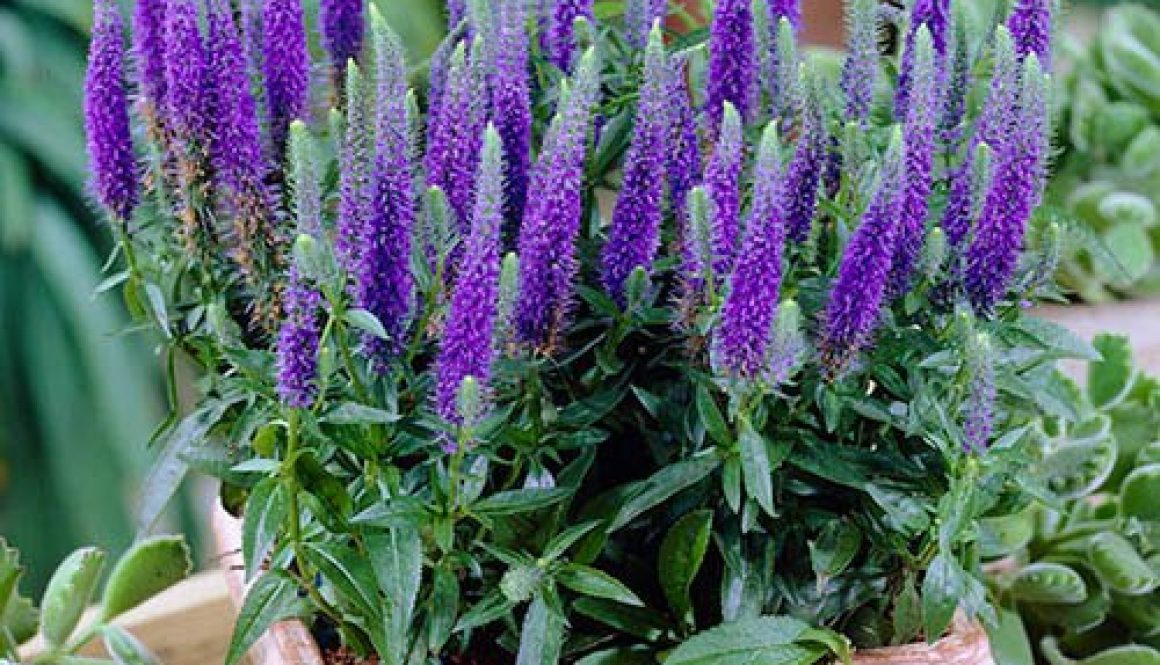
pixel 753 408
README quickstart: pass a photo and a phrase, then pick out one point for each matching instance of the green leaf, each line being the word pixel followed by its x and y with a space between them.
pixel 149 567
pixel 1132 247
pixel 490 608
pixel 1118 564
pixel 349 572
pixel 907 613
pixel 596 583
pixel 1111 378
pixel 513 502
pixel 711 417
pixel 645 623
pixel 265 514
pixel 353 413
pixel 560 543
pixel 444 608
pixel 1048 582
pixel 1056 338
pixel 942 588
pixel 1009 640
pixel 768 640
pixel 272 598
pixel 1140 493
pixel 681 554
pixel 366 322
pixel 1128 654
pixel 755 467
pixel 542 635
pixel 125 648
pixel 619 657
pixel 397 559
pixel 1076 470
pixel 68 594
pixel 663 485
pixel 168 470
pixel 835 548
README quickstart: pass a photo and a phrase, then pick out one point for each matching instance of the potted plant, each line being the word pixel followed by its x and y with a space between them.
pixel 1079 566
pixel 754 414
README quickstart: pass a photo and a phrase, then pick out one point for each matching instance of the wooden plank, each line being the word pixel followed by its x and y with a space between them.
pixel 1138 320
pixel 188 624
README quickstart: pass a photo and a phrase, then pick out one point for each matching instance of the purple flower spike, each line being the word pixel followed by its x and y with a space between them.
pixel 962 200
pixel 297 347
pixel 547 243
pixel 639 16
pixel 723 185
pixel 787 9
pixel 343 27
pixel 559 40
pixel 747 317
pixel 456 12
pixel 454 141
pixel 732 74
pixel 237 147
pixel 636 221
pixel 110 143
pixel 186 76
pixel 384 285
pixel 860 71
pixel 979 405
pixel 1012 196
pixel 286 64
pixel 805 172
pixel 1030 25
pixel 511 104
pixel 355 156
pixel 683 165
pixel 468 346
pixel 935 15
pixel 240 167
pixel 918 144
pixel 855 302
pixel 149 50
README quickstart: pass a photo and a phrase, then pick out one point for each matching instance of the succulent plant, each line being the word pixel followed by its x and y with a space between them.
pixel 1082 566
pixel 1108 179
pixel 147 568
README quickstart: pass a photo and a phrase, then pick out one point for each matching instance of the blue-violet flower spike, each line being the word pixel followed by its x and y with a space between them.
pixel 110 141
pixel 732 74
pixel 723 185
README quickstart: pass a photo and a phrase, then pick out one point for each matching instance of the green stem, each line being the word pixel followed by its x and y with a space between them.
pixel 295 525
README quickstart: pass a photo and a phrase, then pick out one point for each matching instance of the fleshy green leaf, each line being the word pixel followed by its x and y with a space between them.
pixel 68 594
pixel 1047 582
pixel 1111 378
pixel 125 648
pixel 148 568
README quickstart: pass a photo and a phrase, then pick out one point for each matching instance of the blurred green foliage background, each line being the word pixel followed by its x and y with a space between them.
pixel 79 391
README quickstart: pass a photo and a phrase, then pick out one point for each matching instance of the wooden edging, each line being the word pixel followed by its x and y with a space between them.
pixel 287 642
pixel 1138 320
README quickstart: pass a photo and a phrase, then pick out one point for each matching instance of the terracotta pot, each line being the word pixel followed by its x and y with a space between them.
pixel 287 642
pixel 967 644
pixel 290 641
pixel 1137 319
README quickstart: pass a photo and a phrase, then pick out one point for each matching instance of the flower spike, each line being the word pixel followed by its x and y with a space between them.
pixel 110 141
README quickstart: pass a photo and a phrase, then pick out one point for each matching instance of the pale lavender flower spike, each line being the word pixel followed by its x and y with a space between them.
pixel 639 15
pixel 149 50
pixel 110 141
pixel 511 104
pixel 634 236
pixel 805 170
pixel 467 347
pixel 860 71
pixel 935 15
pixel 723 185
